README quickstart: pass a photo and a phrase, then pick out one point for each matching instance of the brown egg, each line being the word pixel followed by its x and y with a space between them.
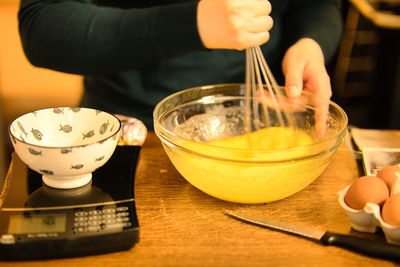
pixel 366 189
pixel 387 174
pixel 391 210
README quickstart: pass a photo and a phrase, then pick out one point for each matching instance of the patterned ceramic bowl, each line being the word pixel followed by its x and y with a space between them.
pixel 65 144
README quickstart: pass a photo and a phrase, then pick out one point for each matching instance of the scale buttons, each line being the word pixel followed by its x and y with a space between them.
pixel 95 212
pixel 81 224
pixel 81 213
pixel 99 219
pixel 81 219
pixel 7 239
pixel 109 216
pixel 94 217
pixel 107 211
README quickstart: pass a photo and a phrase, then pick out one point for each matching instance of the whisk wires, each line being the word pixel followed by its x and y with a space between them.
pixel 258 78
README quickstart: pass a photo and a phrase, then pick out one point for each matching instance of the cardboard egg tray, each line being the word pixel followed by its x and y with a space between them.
pixel 376 149
pixel 369 219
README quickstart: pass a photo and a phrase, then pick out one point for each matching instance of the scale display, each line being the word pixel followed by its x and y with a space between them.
pixel 37 221
pixel 40 223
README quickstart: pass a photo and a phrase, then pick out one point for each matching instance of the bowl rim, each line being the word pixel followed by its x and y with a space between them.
pixel 166 135
pixel 255 161
pixel 115 132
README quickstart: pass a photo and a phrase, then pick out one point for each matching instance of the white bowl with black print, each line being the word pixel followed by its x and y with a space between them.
pixel 65 144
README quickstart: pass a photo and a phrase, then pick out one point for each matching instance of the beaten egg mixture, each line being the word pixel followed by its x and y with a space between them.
pixel 246 175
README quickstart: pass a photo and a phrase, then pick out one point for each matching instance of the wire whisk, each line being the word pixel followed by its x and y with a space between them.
pixel 264 98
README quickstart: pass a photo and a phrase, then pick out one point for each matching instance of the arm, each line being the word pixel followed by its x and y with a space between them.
pixel 82 38
pixel 78 37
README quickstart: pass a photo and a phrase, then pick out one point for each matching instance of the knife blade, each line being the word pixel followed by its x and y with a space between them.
pixel 368 247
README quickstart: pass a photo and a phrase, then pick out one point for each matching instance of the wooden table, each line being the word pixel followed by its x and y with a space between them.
pixel 182 226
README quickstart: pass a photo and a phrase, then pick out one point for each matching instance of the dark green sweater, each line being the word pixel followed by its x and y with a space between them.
pixel 134 55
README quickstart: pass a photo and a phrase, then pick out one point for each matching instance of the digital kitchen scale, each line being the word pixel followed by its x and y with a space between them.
pixel 37 221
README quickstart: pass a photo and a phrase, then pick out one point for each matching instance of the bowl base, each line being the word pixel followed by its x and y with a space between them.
pixel 67 182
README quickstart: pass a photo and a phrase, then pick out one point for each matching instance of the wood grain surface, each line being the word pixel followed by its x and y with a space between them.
pixel 182 226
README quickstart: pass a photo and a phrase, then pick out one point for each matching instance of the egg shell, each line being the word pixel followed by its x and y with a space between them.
pixel 366 189
pixel 391 210
pixel 387 174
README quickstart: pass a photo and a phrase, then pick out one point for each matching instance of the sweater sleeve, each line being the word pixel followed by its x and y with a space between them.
pixel 316 19
pixel 81 38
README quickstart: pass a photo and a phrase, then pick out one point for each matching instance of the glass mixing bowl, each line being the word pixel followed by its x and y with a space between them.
pixel 207 137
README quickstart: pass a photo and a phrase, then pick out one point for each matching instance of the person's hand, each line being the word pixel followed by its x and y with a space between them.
pixel 233 24
pixel 304 68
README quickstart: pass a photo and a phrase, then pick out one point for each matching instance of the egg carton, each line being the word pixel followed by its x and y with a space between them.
pixel 369 219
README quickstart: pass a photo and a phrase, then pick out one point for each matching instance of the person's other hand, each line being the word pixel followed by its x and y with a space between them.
pixel 304 68
pixel 233 24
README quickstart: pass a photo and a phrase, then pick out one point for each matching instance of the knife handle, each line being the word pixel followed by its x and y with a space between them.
pixel 365 246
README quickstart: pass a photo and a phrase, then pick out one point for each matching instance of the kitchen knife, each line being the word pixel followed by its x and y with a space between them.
pixel 373 248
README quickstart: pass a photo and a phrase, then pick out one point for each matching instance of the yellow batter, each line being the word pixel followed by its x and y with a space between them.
pixel 243 175
pixel 267 138
pixel 249 146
